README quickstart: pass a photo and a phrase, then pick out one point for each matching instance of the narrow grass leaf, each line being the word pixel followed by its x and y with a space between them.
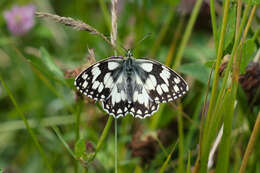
pixel 162 169
pixel 57 131
pixel 251 143
pixel 188 165
pixel 224 149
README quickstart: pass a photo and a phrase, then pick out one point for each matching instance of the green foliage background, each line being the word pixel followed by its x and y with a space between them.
pixel 44 127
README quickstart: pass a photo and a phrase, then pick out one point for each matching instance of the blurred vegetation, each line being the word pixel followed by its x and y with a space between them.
pixel 45 126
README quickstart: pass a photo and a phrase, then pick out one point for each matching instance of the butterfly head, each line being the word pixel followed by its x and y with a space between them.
pixel 129 53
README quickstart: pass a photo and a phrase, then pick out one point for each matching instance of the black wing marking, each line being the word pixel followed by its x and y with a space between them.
pixel 161 82
pixel 96 81
pixel 138 105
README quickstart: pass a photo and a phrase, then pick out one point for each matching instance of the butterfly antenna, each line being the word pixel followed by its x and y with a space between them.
pixel 140 41
pixel 121 45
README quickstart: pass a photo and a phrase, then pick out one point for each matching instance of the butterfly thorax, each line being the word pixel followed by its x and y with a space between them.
pixel 129 77
pixel 129 66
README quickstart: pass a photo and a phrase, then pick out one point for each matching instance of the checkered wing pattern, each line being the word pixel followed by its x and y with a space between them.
pixel 161 83
pixel 96 81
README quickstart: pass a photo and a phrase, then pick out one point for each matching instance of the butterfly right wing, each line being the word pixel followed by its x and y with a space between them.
pixel 161 83
pixel 96 81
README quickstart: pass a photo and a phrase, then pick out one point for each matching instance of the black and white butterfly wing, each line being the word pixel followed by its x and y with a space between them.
pixel 96 81
pixel 161 83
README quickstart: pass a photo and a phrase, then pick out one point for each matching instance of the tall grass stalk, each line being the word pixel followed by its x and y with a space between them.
pixel 218 61
pixel 113 41
pixel 213 22
pixel 104 134
pixel 205 144
pixel 250 144
pixel 162 169
pixel 213 118
pixel 34 138
pixel 181 140
pixel 57 132
pixel 176 37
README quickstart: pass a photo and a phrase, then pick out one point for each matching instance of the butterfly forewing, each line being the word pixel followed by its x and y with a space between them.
pixel 161 82
pixel 96 81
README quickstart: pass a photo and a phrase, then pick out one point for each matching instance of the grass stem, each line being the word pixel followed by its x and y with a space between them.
pixel 250 144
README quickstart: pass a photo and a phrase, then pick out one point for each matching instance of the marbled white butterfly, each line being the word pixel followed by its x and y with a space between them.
pixel 129 85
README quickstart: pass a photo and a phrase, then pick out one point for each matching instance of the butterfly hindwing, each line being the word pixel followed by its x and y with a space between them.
pixel 96 81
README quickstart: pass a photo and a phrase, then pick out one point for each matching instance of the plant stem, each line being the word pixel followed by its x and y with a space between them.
pixel 205 139
pixel 213 22
pixel 162 169
pixel 181 143
pixel 218 61
pixel 57 131
pixel 113 41
pixel 104 133
pixel 250 145
pixel 176 37
pixel 115 145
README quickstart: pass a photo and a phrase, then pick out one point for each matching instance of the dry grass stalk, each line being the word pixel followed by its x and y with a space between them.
pixel 75 24
pixel 114 22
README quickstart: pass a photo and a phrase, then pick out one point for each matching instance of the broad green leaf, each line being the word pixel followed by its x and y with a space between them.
pixel 196 70
pixel 247 54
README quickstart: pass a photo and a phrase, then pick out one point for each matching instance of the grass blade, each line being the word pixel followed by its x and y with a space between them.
pixel 35 140
pixel 168 159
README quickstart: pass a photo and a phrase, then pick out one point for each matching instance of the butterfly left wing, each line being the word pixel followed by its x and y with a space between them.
pixel 96 81
pixel 161 83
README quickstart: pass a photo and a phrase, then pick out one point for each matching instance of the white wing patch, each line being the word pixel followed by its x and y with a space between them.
pixel 148 67
pixel 112 65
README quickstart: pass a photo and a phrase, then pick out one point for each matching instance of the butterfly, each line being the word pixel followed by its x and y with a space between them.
pixel 130 86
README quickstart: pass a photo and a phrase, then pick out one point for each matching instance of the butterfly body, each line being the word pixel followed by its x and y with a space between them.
pixel 129 85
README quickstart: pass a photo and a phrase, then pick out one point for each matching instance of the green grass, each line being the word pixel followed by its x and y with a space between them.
pixel 45 127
